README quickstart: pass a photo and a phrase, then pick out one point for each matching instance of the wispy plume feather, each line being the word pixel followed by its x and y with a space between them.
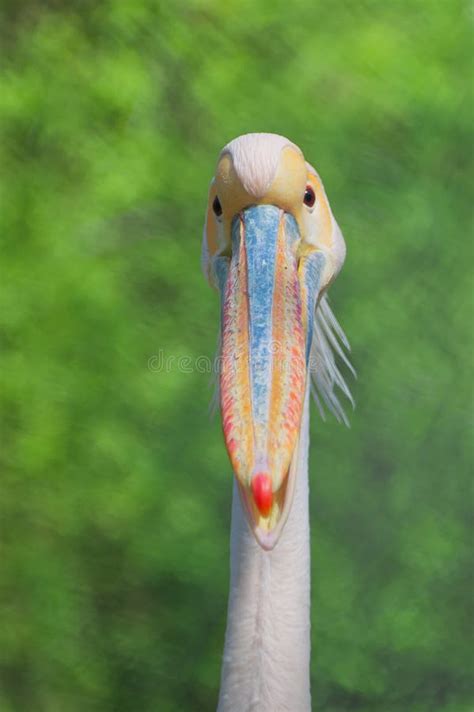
pixel 329 343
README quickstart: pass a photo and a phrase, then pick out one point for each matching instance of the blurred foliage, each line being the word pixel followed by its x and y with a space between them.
pixel 115 486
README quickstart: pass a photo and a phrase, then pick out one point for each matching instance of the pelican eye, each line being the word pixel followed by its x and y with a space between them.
pixel 309 197
pixel 217 207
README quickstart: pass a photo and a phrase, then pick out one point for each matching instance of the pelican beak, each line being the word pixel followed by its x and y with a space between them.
pixel 269 288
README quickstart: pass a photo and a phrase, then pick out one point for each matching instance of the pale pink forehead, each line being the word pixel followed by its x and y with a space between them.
pixel 255 158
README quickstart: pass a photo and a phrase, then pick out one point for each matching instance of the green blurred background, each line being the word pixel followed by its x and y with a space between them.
pixel 115 486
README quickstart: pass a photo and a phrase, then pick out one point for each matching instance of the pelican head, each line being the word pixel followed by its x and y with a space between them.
pixel 271 247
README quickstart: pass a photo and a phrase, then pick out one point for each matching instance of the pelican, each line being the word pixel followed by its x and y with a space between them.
pixel 271 247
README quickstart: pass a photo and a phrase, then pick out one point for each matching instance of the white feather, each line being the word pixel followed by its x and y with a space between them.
pixel 256 157
pixel 329 342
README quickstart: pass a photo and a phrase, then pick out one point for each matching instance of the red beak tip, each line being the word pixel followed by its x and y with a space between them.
pixel 262 492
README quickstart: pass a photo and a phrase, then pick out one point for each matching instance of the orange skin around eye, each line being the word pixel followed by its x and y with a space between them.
pixel 325 213
pixel 211 223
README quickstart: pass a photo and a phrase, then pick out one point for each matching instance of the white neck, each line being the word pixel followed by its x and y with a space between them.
pixel 267 644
